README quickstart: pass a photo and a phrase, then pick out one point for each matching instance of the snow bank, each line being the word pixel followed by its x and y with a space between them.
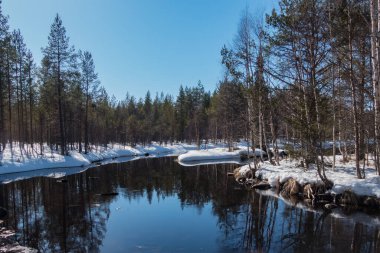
pixel 215 154
pixel 210 154
pixel 343 177
pixel 33 162
pixel 16 162
pixel 210 162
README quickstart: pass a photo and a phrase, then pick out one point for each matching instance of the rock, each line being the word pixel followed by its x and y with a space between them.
pixel 291 188
pixel 324 198
pixel 370 202
pixel 348 198
pixel 309 191
pixel 261 186
pixel 249 183
pixel 294 199
pixel 61 181
pixel 3 212
pixel 242 178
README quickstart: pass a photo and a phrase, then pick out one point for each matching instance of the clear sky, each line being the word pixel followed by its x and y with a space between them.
pixel 140 45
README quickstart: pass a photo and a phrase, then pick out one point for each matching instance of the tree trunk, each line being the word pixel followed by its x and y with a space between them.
pixel 9 101
pixel 353 97
pixel 60 113
pixel 31 139
pixel 375 5
pixel 2 119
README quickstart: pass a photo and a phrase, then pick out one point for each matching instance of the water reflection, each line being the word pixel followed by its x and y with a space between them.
pixel 163 207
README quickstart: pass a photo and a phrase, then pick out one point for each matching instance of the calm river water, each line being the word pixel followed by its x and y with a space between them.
pixel 161 206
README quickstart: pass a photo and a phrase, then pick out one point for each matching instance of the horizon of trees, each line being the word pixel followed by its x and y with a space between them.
pixel 309 74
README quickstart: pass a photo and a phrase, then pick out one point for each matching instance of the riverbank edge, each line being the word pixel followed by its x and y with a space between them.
pixel 27 160
pixel 314 195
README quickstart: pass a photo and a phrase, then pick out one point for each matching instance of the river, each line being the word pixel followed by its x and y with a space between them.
pixel 157 205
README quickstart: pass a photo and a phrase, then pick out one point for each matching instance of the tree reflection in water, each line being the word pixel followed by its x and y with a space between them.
pixel 71 215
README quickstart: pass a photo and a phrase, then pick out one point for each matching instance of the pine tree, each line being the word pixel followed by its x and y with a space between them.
pixel 90 83
pixel 30 95
pixel 19 74
pixel 59 55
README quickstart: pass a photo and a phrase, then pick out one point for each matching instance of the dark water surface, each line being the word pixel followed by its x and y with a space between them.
pixel 163 207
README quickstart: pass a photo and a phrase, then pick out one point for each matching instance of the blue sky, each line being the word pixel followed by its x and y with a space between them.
pixel 140 45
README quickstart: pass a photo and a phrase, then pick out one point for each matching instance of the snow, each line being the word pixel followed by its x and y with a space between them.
pixel 25 163
pixel 210 162
pixel 30 162
pixel 343 177
pixel 214 154
pixel 210 154
pixel 244 170
pixel 7 243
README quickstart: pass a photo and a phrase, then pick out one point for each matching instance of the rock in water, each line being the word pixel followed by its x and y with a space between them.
pixel 291 188
pixel 309 191
pixel 371 202
pixel 348 198
pixel 261 186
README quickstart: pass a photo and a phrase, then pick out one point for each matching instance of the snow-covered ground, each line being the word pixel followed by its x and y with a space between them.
pixel 7 243
pixel 28 162
pixel 343 177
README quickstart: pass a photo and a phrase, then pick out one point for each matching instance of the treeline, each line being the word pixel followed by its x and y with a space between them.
pixel 309 74
pixel 61 102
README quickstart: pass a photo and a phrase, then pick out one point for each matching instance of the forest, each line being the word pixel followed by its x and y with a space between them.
pixel 308 74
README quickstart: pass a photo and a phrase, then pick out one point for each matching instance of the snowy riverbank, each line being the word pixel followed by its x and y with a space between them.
pixel 215 154
pixel 343 177
pixel 27 160
pixel 32 163
pixel 31 159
